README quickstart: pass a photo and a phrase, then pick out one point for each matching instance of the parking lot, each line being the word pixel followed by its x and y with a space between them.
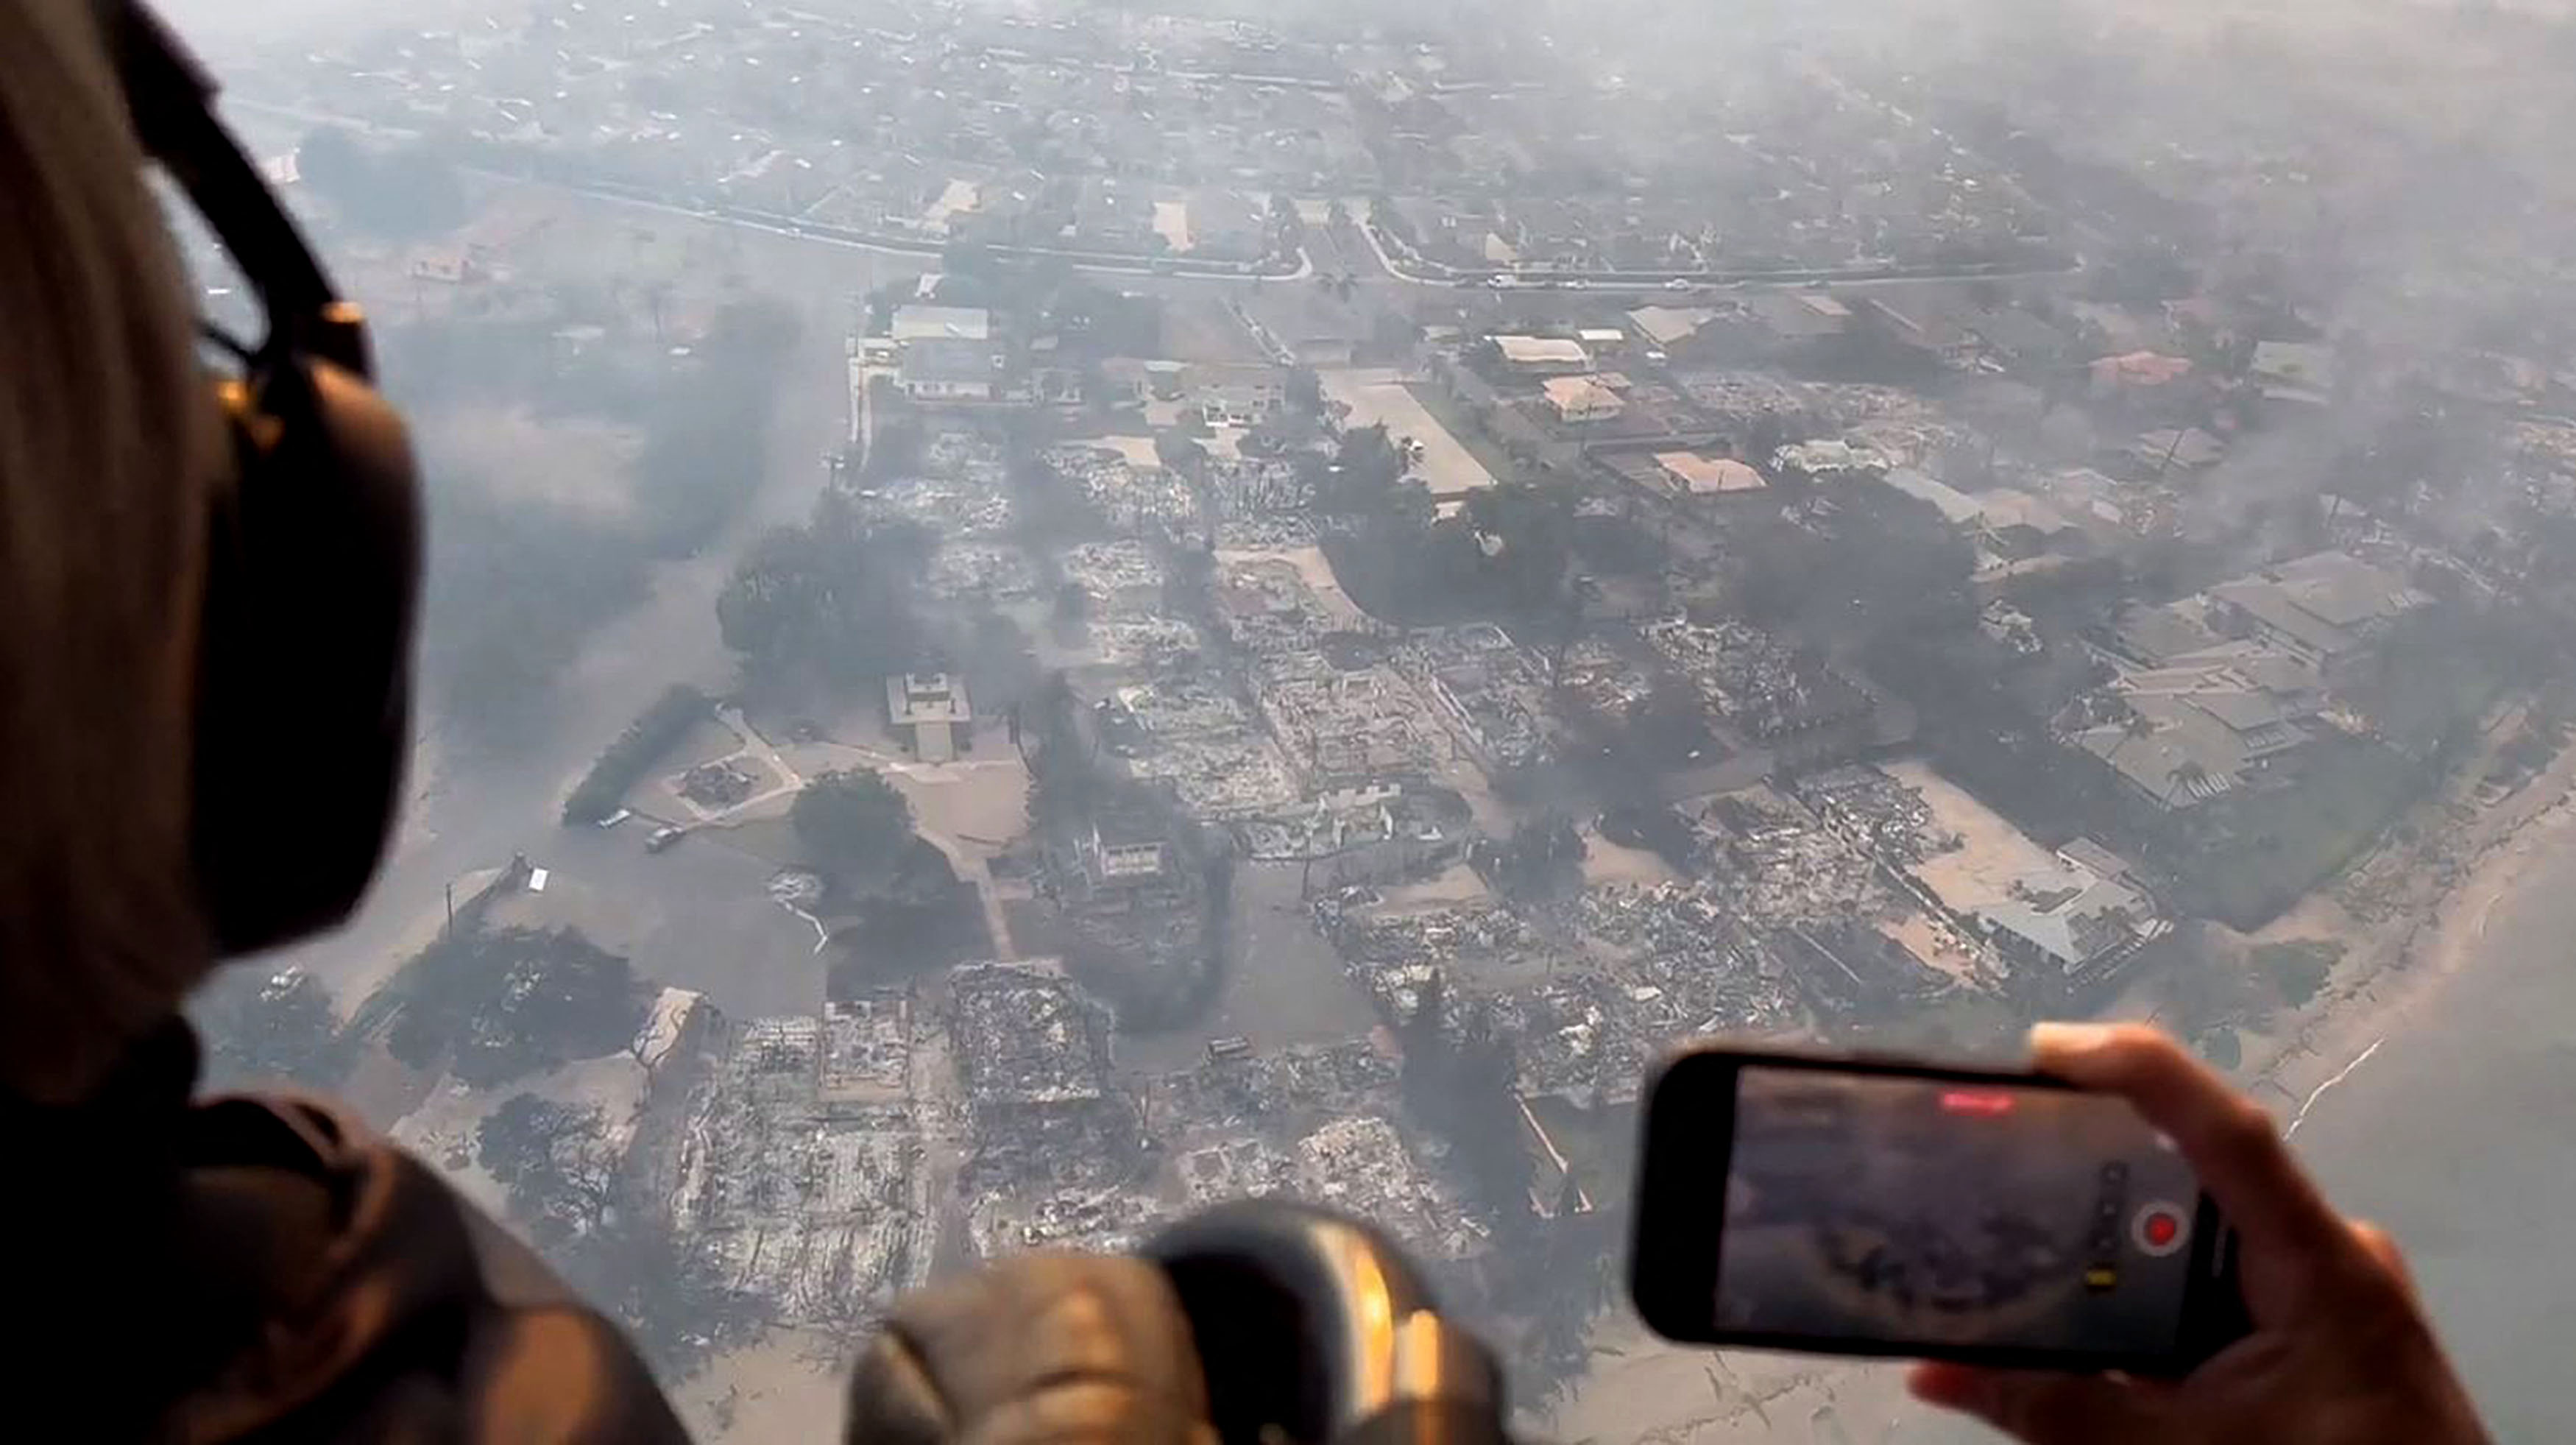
pixel 1378 394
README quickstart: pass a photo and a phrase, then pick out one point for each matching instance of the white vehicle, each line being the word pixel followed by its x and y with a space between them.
pixel 1677 284
pixel 615 818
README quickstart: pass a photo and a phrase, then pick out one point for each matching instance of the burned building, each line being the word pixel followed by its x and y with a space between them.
pixel 1033 1053
pixel 798 1174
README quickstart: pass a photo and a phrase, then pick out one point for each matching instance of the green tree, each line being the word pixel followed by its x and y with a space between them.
pixel 497 1006
pixel 854 828
pixel 270 1027
pixel 552 1159
pixel 656 732
pixel 828 602
pixel 2298 968
pixel 1305 390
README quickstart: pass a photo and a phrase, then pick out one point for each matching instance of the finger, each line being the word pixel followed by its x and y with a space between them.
pixel 2042 1407
pixel 2231 1142
pixel 2383 1251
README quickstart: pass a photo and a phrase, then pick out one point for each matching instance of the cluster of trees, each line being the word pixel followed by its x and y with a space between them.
pixel 1657 828
pixel 2297 967
pixel 1885 570
pixel 854 829
pixel 673 1300
pixel 1503 558
pixel 1178 977
pixel 912 910
pixel 828 604
pixel 565 1189
pixel 1544 859
pixel 499 1005
pixel 261 1027
pixel 1458 1078
pixel 656 732
pixel 1163 978
pixel 1548 1277
pixel 554 1160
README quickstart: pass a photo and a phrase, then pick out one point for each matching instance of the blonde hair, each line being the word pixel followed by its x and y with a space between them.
pixel 108 443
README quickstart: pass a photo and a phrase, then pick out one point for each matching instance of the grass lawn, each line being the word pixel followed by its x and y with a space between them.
pixel 2256 855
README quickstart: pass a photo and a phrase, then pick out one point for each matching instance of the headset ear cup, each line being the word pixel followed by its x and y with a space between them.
pixel 304 660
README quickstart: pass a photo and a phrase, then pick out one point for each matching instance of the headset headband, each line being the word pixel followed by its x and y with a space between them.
pixel 170 97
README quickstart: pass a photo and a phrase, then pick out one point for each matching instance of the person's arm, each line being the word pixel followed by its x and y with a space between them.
pixel 2341 1350
pixel 1038 1350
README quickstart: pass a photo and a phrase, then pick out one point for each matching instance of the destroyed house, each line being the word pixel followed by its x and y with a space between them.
pixel 1026 1036
pixel 1123 853
pixel 1033 1052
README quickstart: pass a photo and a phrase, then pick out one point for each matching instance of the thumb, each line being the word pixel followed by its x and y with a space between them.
pixel 2040 1407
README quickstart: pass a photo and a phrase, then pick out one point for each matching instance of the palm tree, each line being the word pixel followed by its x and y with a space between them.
pixel 2132 727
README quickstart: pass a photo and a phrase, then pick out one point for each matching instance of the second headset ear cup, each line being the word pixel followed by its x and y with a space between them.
pixel 305 653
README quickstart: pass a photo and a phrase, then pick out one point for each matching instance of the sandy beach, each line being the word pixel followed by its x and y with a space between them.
pixel 2394 968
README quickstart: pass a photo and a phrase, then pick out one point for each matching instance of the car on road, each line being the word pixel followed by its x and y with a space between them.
pixel 1677 284
pixel 617 817
pixel 663 838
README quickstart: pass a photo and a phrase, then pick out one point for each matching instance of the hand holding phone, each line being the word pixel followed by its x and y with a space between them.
pixel 2314 1335
pixel 2339 1349
pixel 1880 1207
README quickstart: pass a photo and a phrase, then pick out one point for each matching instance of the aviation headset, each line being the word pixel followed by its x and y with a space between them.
pixel 312 568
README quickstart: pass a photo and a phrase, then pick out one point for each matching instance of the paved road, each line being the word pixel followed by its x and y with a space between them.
pixel 1387 269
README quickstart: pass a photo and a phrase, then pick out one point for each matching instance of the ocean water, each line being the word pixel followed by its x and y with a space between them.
pixel 2459 1136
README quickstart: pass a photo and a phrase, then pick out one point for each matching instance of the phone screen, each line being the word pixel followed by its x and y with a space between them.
pixel 1918 1210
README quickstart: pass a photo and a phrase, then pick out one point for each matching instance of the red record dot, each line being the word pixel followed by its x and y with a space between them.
pixel 2157 1228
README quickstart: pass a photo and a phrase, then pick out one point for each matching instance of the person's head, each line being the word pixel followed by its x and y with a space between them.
pixel 110 440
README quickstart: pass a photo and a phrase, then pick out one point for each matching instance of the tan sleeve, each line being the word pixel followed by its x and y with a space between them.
pixel 558 1375
pixel 1051 1348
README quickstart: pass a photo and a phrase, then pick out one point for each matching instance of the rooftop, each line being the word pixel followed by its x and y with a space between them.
pixel 1956 507
pixel 2321 601
pixel 1664 325
pixel 1579 393
pixel 951 359
pixel 1542 351
pixel 964 323
pixel 1698 474
pixel 927 697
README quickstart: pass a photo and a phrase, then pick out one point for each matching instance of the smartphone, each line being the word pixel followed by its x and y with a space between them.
pixel 1880 1207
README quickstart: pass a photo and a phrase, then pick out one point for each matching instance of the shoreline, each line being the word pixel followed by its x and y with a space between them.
pixel 2402 966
